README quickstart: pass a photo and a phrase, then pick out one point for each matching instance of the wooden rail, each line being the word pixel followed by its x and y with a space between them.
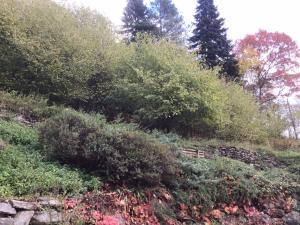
pixel 193 153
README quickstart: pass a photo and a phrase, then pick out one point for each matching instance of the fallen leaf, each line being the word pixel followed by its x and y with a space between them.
pixel 216 213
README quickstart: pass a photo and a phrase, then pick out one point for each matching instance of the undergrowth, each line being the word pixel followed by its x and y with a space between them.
pixel 24 170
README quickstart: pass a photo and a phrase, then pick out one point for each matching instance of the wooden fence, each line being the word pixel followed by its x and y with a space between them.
pixel 193 153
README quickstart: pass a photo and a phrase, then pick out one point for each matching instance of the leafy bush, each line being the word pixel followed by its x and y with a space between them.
pixel 32 107
pixel 160 85
pixel 164 87
pixel 15 133
pixel 51 50
pixel 23 172
pixel 220 180
pixel 214 181
pixel 241 118
pixel 107 149
pixel 275 124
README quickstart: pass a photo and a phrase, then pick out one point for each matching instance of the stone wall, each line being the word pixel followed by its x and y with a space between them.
pixel 44 211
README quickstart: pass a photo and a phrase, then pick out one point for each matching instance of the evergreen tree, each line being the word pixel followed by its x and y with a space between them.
pixel 210 41
pixel 169 23
pixel 136 19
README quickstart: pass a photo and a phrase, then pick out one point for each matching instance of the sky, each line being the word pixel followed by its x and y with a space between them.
pixel 242 17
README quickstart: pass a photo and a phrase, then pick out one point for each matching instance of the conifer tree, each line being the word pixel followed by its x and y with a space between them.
pixel 169 23
pixel 136 19
pixel 210 42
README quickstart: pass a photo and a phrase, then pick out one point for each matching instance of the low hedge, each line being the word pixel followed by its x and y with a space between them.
pixel 118 152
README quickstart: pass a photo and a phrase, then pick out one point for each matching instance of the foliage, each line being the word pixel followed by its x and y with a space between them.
pixel 31 107
pixel 274 122
pixel 242 120
pixel 160 85
pixel 268 61
pixel 136 19
pixel 224 180
pixel 17 134
pixel 210 42
pixel 292 116
pixel 214 181
pixel 23 172
pixel 107 149
pixel 169 23
pixel 165 88
pixel 50 50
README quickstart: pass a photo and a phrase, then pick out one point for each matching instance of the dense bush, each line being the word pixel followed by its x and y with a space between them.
pixel 120 153
pixel 15 133
pixel 210 182
pixel 72 56
pixel 24 172
pixel 162 85
pixel 31 107
pixel 48 49
pixel 241 118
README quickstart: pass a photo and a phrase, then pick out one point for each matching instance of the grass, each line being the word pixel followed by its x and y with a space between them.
pixel 15 133
pixel 24 170
pixel 32 107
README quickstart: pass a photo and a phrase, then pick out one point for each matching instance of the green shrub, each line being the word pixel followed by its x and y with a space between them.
pixel 119 152
pixel 52 50
pixel 24 172
pixel 31 107
pixel 163 86
pixel 241 119
pixel 220 180
pixel 16 133
pixel 275 123
pixel 214 181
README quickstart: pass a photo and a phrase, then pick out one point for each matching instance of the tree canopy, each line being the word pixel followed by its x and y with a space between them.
pixel 269 61
pixel 136 19
pixel 169 23
pixel 209 40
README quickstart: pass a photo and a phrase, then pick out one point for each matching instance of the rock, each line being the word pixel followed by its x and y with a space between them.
pixel 6 221
pixel 23 205
pixel 292 218
pixel 50 202
pixel 6 208
pixel 275 213
pixel 23 218
pixel 46 217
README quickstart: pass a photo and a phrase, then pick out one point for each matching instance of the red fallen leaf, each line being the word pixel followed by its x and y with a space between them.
pixel 109 220
pixel 206 220
pixel 171 222
pixel 96 215
pixel 182 206
pixel 289 204
pixel 70 203
pixel 167 196
pixel 231 209
pixel 216 213
pixel 251 211
pixel 134 201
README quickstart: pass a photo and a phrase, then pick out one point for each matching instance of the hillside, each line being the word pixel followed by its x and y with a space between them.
pixel 95 130
pixel 229 185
